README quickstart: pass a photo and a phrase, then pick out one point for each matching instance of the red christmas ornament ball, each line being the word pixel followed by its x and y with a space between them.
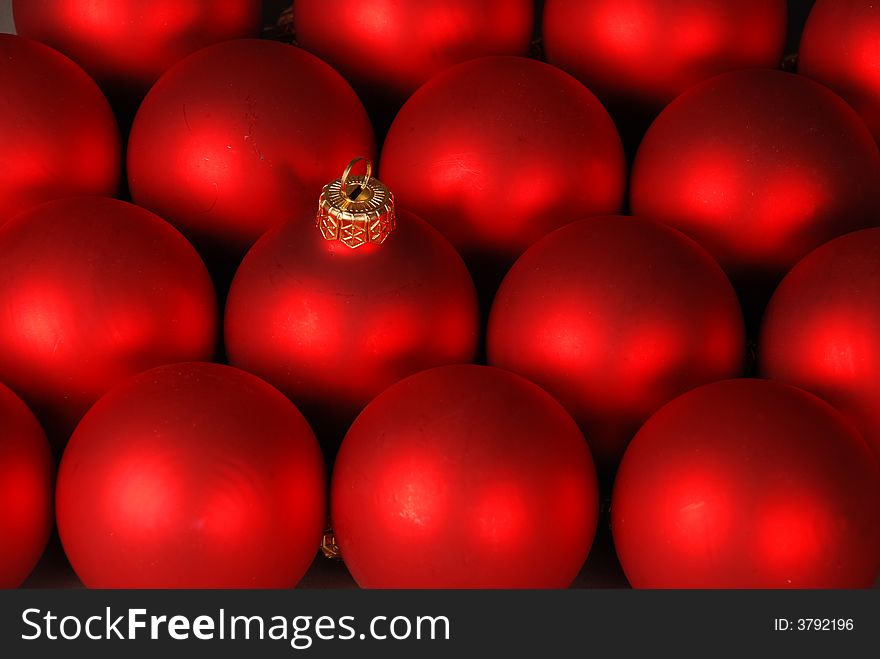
pixel 748 484
pixel 241 136
pixel 27 479
pixel 840 47
pixel 646 52
pixel 759 167
pixel 391 48
pixel 499 151
pixel 615 316
pixel 821 329
pixel 127 44
pixel 58 137
pixel 192 475
pixel 464 477
pixel 96 290
pixel 332 326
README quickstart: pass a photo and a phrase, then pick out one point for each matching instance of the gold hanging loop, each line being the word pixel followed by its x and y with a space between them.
pixel 366 217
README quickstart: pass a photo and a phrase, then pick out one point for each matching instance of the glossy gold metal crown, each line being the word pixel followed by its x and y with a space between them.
pixel 329 547
pixel 356 210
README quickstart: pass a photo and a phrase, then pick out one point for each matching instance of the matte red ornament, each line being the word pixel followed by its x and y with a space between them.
pixel 615 316
pixel 192 475
pixel 58 137
pixel 840 47
pixel 95 290
pixel 241 136
pixel 464 477
pixel 647 52
pixel 748 484
pixel 822 328
pixel 127 44
pixel 27 480
pixel 332 325
pixel 499 151
pixel 759 167
pixel 391 48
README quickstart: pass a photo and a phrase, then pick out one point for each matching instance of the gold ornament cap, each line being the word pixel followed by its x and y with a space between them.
pixel 329 547
pixel 356 210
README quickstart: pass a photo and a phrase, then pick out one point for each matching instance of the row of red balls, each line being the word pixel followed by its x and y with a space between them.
pixel 332 327
pixel 646 51
pixel 638 54
pixel 459 476
pixel 758 166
